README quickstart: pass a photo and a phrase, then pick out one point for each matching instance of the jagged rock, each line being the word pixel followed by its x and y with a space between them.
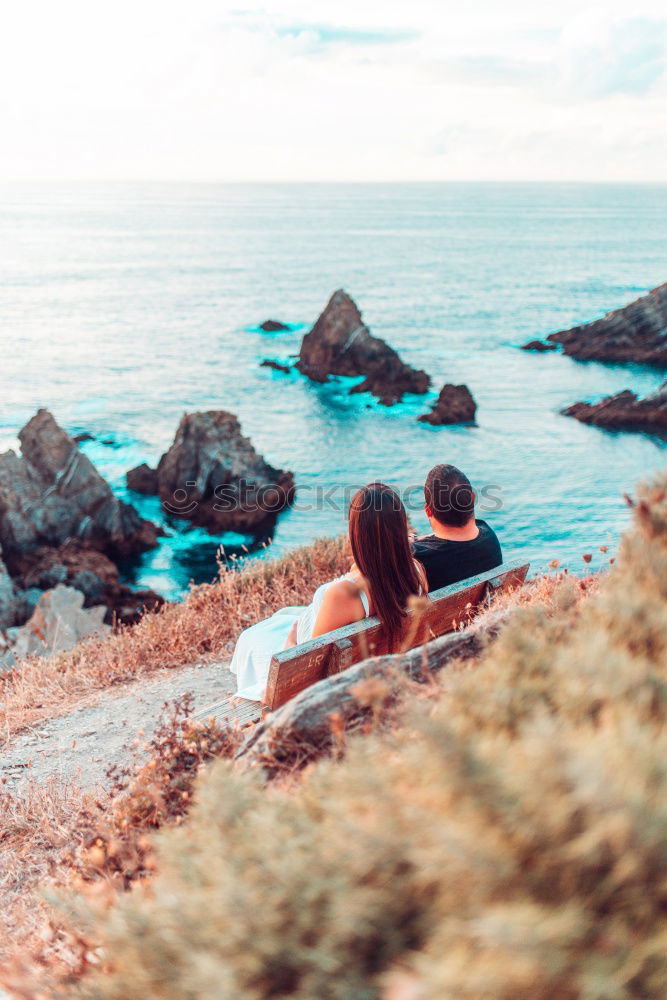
pixel 143 479
pixel 60 621
pixel 276 365
pixel 213 477
pixel 341 344
pixel 88 571
pixel 273 326
pixel 52 492
pixel 539 345
pixel 8 597
pixel 625 411
pixel 636 333
pixel 454 405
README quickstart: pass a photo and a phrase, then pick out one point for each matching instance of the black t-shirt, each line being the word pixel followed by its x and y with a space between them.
pixel 448 562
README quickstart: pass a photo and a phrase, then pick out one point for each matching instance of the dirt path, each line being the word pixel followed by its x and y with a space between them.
pixel 81 746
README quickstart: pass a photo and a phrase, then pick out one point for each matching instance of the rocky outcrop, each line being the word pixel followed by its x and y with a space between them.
pixel 341 344
pixel 213 477
pixel 88 571
pixel 52 492
pixel 625 411
pixel 454 405
pixel 143 479
pixel 539 345
pixel 635 333
pixel 60 621
pixel 273 326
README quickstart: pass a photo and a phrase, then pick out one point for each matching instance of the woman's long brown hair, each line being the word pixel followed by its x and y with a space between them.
pixel 378 528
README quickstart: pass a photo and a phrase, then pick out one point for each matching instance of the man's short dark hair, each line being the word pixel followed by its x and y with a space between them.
pixel 448 493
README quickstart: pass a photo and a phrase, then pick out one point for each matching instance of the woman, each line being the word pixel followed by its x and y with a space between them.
pixel 381 580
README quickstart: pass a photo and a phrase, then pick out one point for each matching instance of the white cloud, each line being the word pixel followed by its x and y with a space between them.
pixel 373 91
pixel 603 57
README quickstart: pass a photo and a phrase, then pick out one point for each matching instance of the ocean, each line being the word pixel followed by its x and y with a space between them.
pixel 122 306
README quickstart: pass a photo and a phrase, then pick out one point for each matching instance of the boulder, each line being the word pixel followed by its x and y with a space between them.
pixel 625 411
pixel 454 405
pixel 59 622
pixel 213 477
pixel 636 333
pixel 28 601
pixel 539 345
pixel 273 326
pixel 276 365
pixel 86 570
pixel 340 344
pixel 8 598
pixel 52 492
pixel 143 479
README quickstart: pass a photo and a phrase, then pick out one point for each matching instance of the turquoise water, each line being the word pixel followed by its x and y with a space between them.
pixel 122 306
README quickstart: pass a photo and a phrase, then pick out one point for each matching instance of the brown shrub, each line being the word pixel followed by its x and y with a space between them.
pixel 117 847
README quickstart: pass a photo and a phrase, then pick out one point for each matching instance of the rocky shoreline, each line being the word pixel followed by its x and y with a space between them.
pixel 63 531
pixel 634 334
pixel 637 333
pixel 625 411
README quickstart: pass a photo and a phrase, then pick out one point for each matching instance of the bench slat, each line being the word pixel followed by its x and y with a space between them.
pixel 297 668
pixel 233 710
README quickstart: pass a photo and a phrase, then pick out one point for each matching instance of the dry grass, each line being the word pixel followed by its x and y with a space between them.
pixel 204 626
pixel 56 835
pixel 36 827
pixel 507 841
pixel 53 835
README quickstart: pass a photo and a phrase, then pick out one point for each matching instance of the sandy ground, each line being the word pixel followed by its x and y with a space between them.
pixel 82 745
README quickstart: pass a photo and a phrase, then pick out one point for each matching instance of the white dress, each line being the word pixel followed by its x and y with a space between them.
pixel 257 644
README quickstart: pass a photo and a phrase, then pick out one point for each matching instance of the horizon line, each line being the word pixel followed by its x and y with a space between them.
pixel 327 181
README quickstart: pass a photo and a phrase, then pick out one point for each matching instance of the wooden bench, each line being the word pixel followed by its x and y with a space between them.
pixel 292 670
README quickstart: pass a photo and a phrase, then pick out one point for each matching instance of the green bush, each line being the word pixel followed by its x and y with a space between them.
pixel 508 842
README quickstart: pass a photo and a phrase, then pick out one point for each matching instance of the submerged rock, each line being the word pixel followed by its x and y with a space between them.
pixel 635 333
pixel 454 405
pixel 52 492
pixel 59 622
pixel 625 411
pixel 276 365
pixel 341 344
pixel 539 345
pixel 213 477
pixel 273 326
pixel 143 479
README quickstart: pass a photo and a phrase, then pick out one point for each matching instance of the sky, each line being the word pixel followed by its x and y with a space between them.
pixel 334 90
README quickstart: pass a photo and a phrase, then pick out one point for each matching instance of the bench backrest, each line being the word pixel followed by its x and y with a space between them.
pixel 293 670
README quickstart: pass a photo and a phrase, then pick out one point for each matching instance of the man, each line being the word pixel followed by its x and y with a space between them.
pixel 460 546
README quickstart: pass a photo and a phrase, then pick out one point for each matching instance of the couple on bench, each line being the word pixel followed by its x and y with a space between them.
pixel 389 567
